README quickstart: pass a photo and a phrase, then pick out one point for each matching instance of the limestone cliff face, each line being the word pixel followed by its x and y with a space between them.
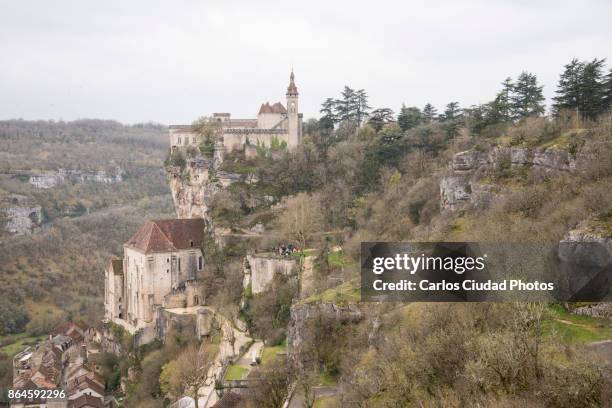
pixel 193 188
pixel 195 185
pixel 464 182
pixel 21 214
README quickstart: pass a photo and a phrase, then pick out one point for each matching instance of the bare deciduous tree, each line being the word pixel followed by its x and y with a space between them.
pixel 188 373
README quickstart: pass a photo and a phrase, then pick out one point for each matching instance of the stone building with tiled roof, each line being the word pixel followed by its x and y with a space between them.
pixel 162 263
pixel 274 121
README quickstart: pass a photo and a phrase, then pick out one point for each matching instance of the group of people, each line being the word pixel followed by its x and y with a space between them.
pixel 286 250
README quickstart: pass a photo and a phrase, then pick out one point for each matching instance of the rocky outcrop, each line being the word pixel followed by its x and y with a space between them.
pixel 303 327
pixel 584 269
pixel 463 184
pixel 455 191
pixel 44 180
pixel 194 186
pixel 22 216
pixel 599 310
pixel 51 179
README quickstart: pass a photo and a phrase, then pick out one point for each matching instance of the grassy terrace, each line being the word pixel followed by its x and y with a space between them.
pixel 326 402
pixel 20 342
pixel 236 372
pixel 345 292
pixel 270 353
pixel 571 328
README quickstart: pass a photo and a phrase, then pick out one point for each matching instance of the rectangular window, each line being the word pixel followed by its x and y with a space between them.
pixel 200 263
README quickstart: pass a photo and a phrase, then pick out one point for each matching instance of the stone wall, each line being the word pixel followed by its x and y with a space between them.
pixel 236 141
pixel 260 269
pixel 167 321
pixel 200 322
pixel 175 300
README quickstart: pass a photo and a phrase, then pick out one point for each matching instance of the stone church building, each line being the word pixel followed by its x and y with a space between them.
pixel 274 121
pixel 161 265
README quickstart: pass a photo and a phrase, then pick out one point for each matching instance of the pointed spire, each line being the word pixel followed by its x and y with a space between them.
pixel 292 89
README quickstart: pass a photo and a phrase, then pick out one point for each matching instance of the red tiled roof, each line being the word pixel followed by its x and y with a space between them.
pixel 84 326
pixel 68 327
pixel 63 328
pixel 83 382
pixel 168 235
pixel 276 108
pixel 86 401
pixel 76 336
pixel 48 379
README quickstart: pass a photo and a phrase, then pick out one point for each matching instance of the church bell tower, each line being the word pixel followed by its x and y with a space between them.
pixel 294 123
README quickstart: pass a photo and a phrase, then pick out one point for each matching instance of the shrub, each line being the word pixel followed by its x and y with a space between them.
pixel 175 158
pixel 533 131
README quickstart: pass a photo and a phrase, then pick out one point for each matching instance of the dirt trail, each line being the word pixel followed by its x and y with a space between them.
pixel 307 277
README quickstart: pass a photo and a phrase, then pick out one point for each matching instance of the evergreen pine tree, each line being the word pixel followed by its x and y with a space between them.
pixel 453 119
pixel 503 103
pixel 409 117
pixel 361 106
pixel 380 117
pixel 497 111
pixel 345 107
pixel 452 111
pixel 429 113
pixel 328 108
pixel 569 90
pixel 607 91
pixel 476 120
pixel 527 98
pixel 592 89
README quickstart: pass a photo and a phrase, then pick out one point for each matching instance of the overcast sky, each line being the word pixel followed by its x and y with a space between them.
pixel 173 61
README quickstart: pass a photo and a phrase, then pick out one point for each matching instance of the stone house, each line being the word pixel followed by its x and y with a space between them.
pixel 161 264
pixel 274 121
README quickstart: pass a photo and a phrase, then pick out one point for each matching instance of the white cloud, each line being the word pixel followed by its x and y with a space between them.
pixel 173 61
